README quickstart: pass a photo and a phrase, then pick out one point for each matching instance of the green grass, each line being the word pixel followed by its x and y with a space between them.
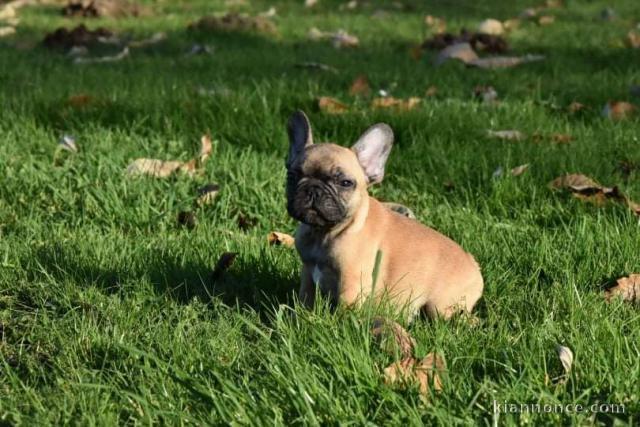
pixel 107 311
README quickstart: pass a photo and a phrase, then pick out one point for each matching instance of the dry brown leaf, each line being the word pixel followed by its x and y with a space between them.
pixel 330 105
pixel 618 110
pixel 410 371
pixel 275 238
pixel 587 189
pixel 511 24
pixel 436 25
pixel 392 337
pixel 360 86
pixel 627 288
pixel 566 359
pixel 507 135
pixel 504 61
pixel 574 107
pixel 165 168
pixel 232 22
pixel 224 262
pixel 7 31
pixel 633 39
pixel 207 194
pixel 415 52
pixel 519 170
pixel 80 100
pixel 460 51
pixel 546 20
pixel 431 91
pixel 187 219
pixel 340 38
pixel 491 26
pixel 400 104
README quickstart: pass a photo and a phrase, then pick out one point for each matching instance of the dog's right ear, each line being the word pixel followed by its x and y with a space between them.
pixel 300 136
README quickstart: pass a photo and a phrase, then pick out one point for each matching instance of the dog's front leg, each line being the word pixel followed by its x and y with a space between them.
pixel 307 294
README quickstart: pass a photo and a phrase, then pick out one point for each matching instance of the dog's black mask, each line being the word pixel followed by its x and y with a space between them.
pixel 315 201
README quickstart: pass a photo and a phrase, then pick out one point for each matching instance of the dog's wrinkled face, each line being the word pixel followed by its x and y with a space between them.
pixel 326 183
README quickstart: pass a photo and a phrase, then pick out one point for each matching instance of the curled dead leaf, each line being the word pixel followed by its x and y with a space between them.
pixel 431 91
pixel 566 359
pixel 68 143
pixel 340 39
pixel 574 107
pixel 459 51
pixel 424 373
pixel 275 238
pixel 546 20
pixel 360 86
pixel 80 100
pixel 392 337
pixel 224 262
pixel 633 40
pixel 207 193
pixel 165 168
pixel 627 288
pixel 519 170
pixel 187 219
pixel 507 135
pixel 504 61
pixel 618 110
pixel 330 105
pixel 399 104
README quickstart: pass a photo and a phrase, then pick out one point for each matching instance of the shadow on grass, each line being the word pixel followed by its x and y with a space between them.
pixel 248 282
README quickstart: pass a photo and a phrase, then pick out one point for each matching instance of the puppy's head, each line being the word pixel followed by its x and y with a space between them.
pixel 326 183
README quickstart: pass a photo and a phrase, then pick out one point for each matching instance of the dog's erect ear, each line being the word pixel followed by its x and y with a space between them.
pixel 372 150
pixel 300 136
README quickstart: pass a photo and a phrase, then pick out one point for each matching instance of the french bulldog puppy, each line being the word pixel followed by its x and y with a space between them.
pixel 342 229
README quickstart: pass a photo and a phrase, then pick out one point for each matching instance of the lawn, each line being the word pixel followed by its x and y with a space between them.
pixel 108 310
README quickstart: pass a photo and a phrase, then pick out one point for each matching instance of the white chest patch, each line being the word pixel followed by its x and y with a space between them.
pixel 316 274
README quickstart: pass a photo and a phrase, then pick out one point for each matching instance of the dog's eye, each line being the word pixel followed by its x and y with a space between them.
pixel 346 183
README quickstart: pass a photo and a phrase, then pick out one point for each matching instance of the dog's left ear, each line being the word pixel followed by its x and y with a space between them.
pixel 372 150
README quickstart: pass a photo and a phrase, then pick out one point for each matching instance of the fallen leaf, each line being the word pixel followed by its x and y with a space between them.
pixel 109 58
pixel 574 107
pixel 392 337
pixel 491 26
pixel 340 38
pixel 400 104
pixel 234 22
pixel 316 66
pixel 103 8
pixel 224 262
pixel 401 209
pixel 519 170
pixel 633 39
pixel 187 219
pixel 360 86
pixel 310 3
pixel 330 105
pixel 80 100
pixel 409 371
pixel 546 20
pixel 415 52
pixel 566 358
pixel 431 91
pixel 627 288
pixel 154 39
pixel 246 222
pixel 618 110
pixel 165 168
pixel 436 25
pixel 68 143
pixel 461 52
pixel 63 38
pixel 7 31
pixel 587 189
pixel 478 42
pixel 504 61
pixel 275 238
pixel 511 24
pixel 507 135
pixel 207 194
pixel 561 138
pixel 487 94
